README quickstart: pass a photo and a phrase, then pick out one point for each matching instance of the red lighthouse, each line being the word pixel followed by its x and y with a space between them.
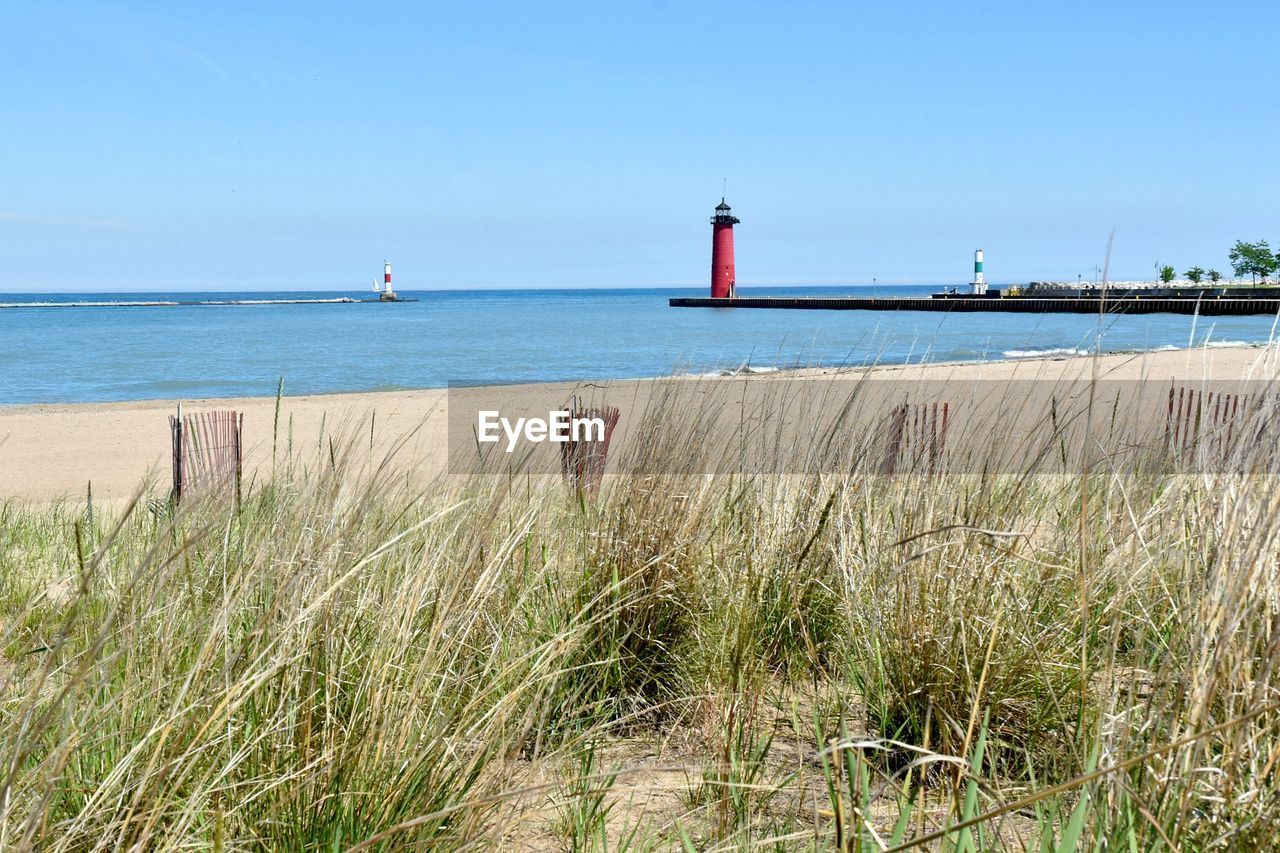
pixel 723 281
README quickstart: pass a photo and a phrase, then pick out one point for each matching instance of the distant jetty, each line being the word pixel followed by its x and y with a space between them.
pixel 1205 305
pixel 180 303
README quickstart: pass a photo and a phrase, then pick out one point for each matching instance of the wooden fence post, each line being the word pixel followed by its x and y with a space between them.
pixel 238 424
pixel 178 473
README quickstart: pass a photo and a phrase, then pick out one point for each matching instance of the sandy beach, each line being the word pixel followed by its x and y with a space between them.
pixel 48 452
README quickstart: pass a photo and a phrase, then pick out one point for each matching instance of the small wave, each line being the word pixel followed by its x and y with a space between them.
pixel 1230 344
pixel 746 370
pixel 1043 353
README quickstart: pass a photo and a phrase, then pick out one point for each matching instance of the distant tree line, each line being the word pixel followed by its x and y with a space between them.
pixel 1255 260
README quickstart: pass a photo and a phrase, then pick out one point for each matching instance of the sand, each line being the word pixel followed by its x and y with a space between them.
pixel 49 452
pixel 52 452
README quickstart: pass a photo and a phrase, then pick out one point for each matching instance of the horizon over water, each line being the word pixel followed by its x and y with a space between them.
pixel 51 354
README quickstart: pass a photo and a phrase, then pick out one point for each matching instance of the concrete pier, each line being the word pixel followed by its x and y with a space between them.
pixel 1209 307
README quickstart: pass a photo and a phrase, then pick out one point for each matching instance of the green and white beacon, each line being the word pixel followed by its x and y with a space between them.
pixel 979 283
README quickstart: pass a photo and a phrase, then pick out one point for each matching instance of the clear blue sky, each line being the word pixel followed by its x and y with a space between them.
pixel 262 146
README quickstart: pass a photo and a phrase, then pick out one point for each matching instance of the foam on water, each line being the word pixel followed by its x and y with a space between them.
pixel 1043 353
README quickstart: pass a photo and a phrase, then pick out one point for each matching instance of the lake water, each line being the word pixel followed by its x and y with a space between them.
pixel 82 354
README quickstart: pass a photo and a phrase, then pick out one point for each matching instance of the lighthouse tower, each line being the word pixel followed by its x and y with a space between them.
pixel 723 281
pixel 979 283
pixel 388 295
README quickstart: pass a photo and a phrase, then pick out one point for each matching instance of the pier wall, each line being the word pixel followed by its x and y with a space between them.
pixel 1015 305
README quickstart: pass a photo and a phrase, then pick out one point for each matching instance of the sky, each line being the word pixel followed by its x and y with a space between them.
pixel 265 146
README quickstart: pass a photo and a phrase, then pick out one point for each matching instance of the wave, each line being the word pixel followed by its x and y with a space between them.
pixel 1230 344
pixel 1072 351
pixel 1043 353
pixel 745 370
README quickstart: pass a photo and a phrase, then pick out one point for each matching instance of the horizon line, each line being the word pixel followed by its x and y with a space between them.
pixel 300 288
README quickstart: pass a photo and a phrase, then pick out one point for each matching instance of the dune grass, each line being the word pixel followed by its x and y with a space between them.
pixel 973 661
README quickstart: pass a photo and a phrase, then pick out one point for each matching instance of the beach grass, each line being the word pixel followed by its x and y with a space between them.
pixel 839 659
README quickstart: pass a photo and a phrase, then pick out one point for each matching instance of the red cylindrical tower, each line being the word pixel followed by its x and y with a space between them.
pixel 723 280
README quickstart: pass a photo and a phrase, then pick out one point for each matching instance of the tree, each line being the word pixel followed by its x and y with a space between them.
pixel 1166 274
pixel 1215 276
pixel 1195 274
pixel 1239 257
pixel 1253 260
pixel 1266 262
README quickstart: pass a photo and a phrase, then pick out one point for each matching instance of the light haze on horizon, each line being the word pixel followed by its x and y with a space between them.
pixel 163 147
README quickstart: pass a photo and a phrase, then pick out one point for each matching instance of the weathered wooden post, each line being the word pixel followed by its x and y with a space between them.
pixel 583 461
pixel 175 428
pixel 238 423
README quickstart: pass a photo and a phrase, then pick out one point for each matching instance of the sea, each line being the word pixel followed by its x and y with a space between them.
pixel 72 348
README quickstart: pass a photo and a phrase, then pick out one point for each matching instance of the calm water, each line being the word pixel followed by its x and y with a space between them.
pixel 74 354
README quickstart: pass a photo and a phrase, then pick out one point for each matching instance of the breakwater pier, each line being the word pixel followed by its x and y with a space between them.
pixel 187 303
pixel 1215 306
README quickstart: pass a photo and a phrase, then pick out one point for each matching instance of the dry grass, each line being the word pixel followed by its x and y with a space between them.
pixel 704 662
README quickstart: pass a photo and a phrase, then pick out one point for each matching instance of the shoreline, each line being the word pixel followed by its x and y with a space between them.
pixel 52 451
pixel 742 371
